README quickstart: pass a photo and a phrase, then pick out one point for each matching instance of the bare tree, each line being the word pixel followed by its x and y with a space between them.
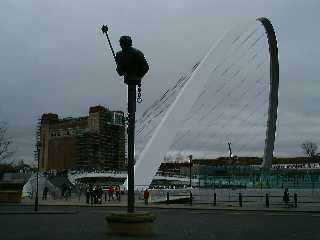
pixel 5 143
pixel 309 148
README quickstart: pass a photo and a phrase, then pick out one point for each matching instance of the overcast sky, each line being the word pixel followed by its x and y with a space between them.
pixel 55 59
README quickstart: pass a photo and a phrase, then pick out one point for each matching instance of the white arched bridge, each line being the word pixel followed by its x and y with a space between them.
pixel 230 95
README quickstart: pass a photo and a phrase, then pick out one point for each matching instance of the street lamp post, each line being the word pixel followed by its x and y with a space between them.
pixel 36 201
pixel 190 172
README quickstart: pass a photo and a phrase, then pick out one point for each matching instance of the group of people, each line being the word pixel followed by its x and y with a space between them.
pixel 54 192
pixel 94 194
pixel 114 191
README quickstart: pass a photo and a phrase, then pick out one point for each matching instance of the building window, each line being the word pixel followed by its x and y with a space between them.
pixel 117 119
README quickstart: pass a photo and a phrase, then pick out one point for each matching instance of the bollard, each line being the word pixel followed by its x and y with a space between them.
pixel 295 197
pixel 214 199
pixel 190 198
pixel 167 197
pixel 267 200
pixel 240 199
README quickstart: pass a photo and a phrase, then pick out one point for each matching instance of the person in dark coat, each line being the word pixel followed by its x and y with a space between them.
pixel 286 197
pixel 91 193
pixel 146 196
pixel 118 194
pixel 88 195
pixel 63 190
pixel 105 195
pixel 110 193
pixel 99 194
pixel 69 191
pixel 45 193
pixel 95 194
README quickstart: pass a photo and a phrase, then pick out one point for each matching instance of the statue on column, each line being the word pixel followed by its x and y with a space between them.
pixel 131 62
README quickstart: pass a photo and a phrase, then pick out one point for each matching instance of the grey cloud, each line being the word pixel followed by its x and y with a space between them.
pixel 54 58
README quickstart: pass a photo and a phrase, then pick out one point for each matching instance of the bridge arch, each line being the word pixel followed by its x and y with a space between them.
pixel 273 94
pixel 151 156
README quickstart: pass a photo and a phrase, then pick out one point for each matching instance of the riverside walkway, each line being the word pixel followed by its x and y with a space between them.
pixel 75 219
pixel 227 199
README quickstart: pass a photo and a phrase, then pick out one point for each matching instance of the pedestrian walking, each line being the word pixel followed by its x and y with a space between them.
pixel 286 196
pixel 91 193
pixel 146 195
pixel 80 192
pixel 45 193
pixel 95 194
pixel 69 191
pixel 105 195
pixel 87 195
pixel 63 190
pixel 110 193
pixel 99 192
pixel 118 194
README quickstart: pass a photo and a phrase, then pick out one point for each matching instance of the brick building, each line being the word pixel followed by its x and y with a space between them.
pixel 94 141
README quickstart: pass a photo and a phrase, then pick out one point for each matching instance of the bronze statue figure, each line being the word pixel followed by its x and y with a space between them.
pixel 131 62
